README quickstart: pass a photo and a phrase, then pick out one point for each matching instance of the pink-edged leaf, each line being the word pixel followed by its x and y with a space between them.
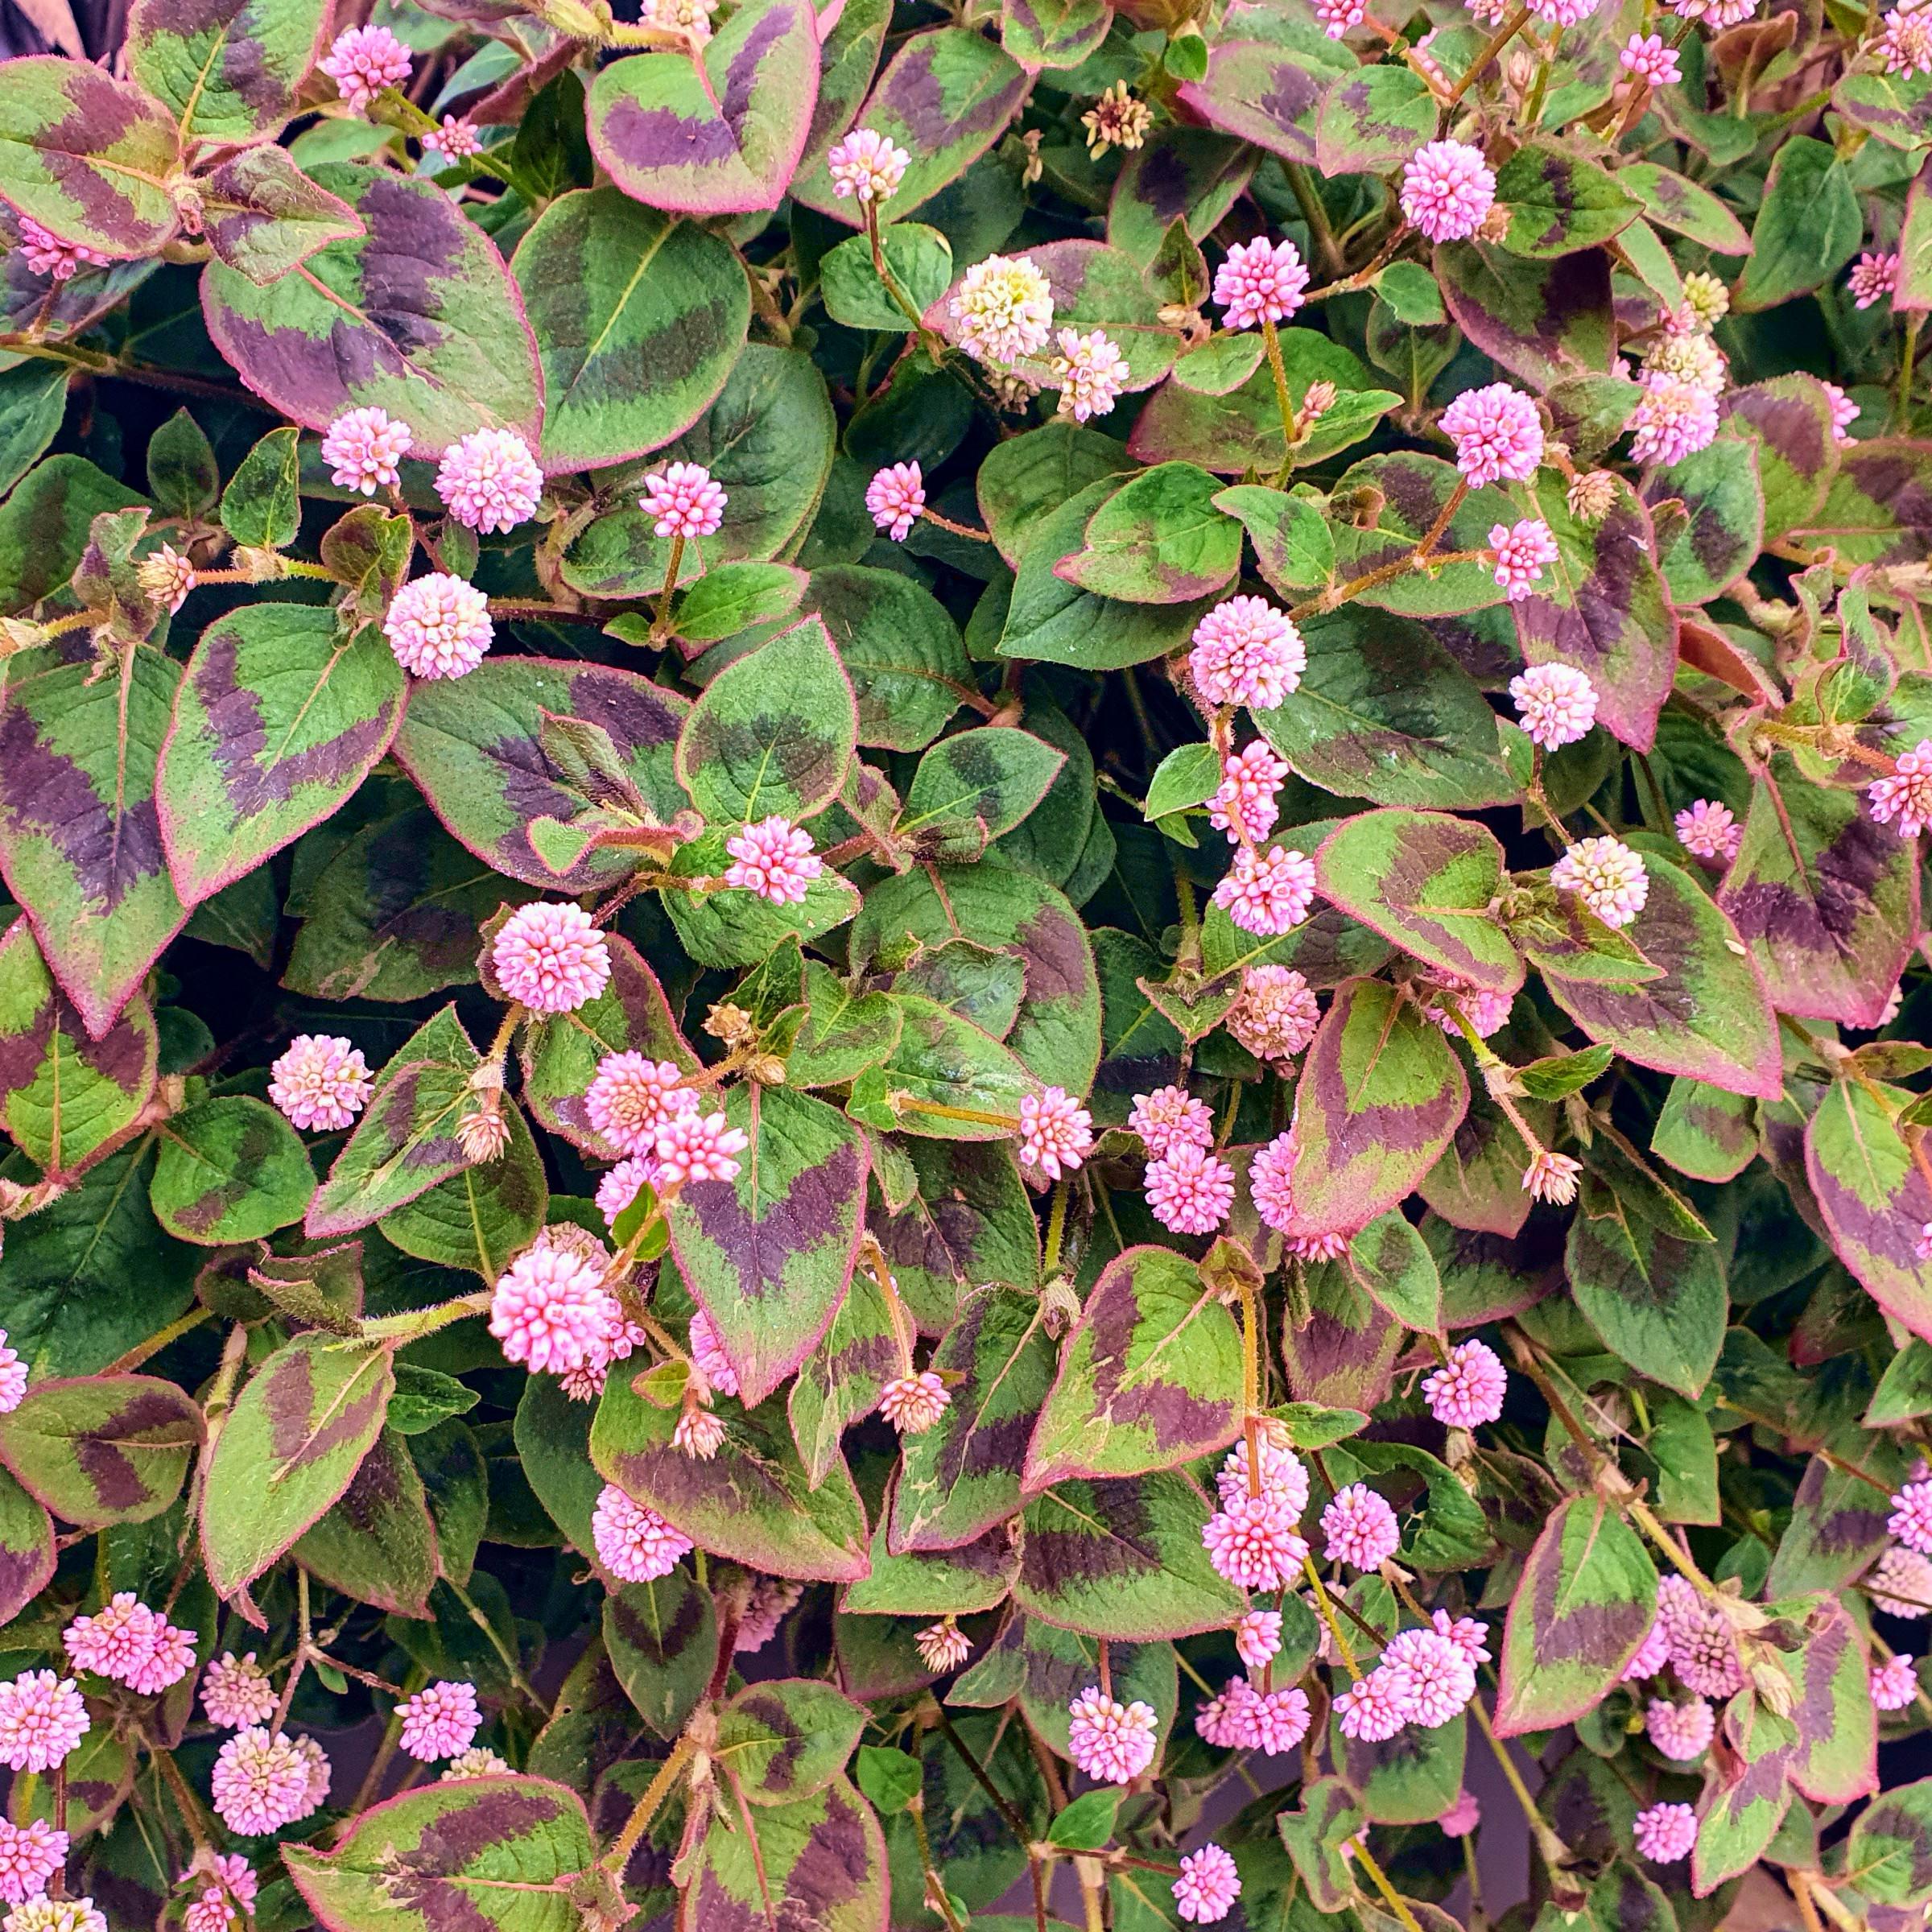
pixel 1543 321
pixel 102 1449
pixel 820 1861
pixel 1789 420
pixel 1878 508
pixel 417 316
pixel 79 836
pixel 1603 606
pixel 1266 93
pixel 1873 1198
pixel 377 1543
pixel 265 216
pixel 1150 1378
pixel 278 719
pixel 753 1502
pixel 719 133
pixel 1380 1096
pixel 227 70
pixel 770 1255
pixel 476 747
pixel 27 1548
pixel 1827 900
pixel 1706 1013
pixel 87 156
pixel 1341 1356
pixel 946 96
pixel 66 1098
pixel 422 1862
pixel 1587 1598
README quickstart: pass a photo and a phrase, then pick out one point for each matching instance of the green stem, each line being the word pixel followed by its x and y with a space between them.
pixel 1499 39
pixel 1909 356
pixel 1279 372
pixel 1056 1229
pixel 655 1793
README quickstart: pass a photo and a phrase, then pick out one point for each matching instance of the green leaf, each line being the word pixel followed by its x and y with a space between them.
pixel 79 848
pixel 378 1545
pixel 1380 1094
pixel 102 1449
pixel 278 719
pixel 772 733
pixel 63 1095
pixel 842 1032
pixel 962 1476
pixel 1030 476
pixel 261 505
pixel 972 787
pixel 970 1222
pixel 521 1843
pixel 752 1503
pixel 27 1548
pixel 1384 712
pixel 841 1380
pixel 264 217
pixel 1409 1779
pixel 1189 775
pixel 481 1217
pixel 783 1740
pixel 1680 205
pixel 405 1142
pixel 1704 1132
pixel 890 1779
pixel 732 596
pixel 819 1862
pixel 1159 539
pixel 1889 1857
pixel 638 318
pixel 1560 1075
pixel 662 1639
pixel 1716 530
pixel 1391 1261
pixel 228 72
pixel 1122 1560
pixel 1809 226
pixel 1294 546
pixel 1866 1186
pixel 1658 1302
pixel 1586 1600
pixel 1150 1376
pixel 901 649
pixel 1087 1823
pixel 918 257
pixel 426 1398
pixel 417 315
pixel 290 1446
pixel 1559 203
pixel 1542 321
pixel 1316 1835
pixel 769 1255
pixel 1370 122
pixel 1426 881
pixel 230 1170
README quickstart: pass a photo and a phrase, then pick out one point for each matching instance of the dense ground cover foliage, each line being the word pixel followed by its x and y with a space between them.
pixel 958 966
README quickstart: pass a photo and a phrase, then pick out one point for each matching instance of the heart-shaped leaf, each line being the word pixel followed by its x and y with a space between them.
pixel 719 133
pixel 227 70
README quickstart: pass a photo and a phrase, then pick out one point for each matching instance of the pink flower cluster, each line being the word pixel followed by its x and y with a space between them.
pixel 490 480
pixel 1522 551
pixel 319 1080
pixel 551 1311
pixel 895 498
pixel 1557 704
pixel 1469 1389
pixel 548 956
pixel 1906 796
pixel 363 61
pixel 1276 1013
pixel 439 626
pixel 235 1692
pixel 1425 1677
pixel 1111 1742
pixel 1260 281
pixel 1447 189
pixel 1247 804
pixel 46 254
pixel 42 1719
pixel 1269 892
pixel 130 1644
pixel 1056 1132
pixel 30 1855
pixel 264 1780
pixel 684 500
pixel 1246 652
pixel 1190 1190
pixel 362 449
pixel 440 1720
pixel 773 859
pixel 1497 434
pixel 1254 1538
pixel 634 1544
pixel 1709 831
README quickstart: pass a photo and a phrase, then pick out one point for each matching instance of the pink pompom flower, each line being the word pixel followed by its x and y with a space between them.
pixel 1269 892
pixel 895 498
pixel 1091 372
pixel 1651 58
pixel 1004 308
pixel 708 1352
pixel 1111 1742
pixel 169 1657
pixel 634 1544
pixel 115 1641
pixel 1359 1528
pixel 263 1780
pixel 1171 1117
pixel 1904 44
pixel 1375 1707
pixel 363 448
pixel 1899 1582
pixel 1652 1659
pixel 455 138
pixel 1709 831
pixel 1552 1178
pixel 1664 1833
pixel 1447 188
pixel 490 480
pixel 1469 1634
pixel 1190 1190
pixel 236 1693
pixel 943 1646
pixel 631 1097
pixel 1874 276
pixel 1607 876
pixel 1338 16
pixel 1207 1887
pixel 1258 1637
pixel 621 1187
pixel 439 1721
pixel 1907 797
pixel 913 1403
pixel 46 254
pixel 42 1719
pixel 439 626
pixel 1468 1389
pixel 1283 1475
pixel 1269 1183
pixel 1844 413
pixel 1498 435
pixel 1522 550
pixel 773 859
pixel 1246 805
pixel 1433 1673
pixel 363 61
pixel 30 1855
pixel 1894 1683
pixel 1274 1721
pixel 696 1146
pixel 551 1311
pixel 549 957
pixel 1260 281
pixel 685 500
pixel 319 1080
pixel 1911 1518
pixel 1681 1731
pixel 1246 652
pixel 866 165
pixel 1056 1132
pixel 1252 1541
pixel 1674 419
pixel 1276 1013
